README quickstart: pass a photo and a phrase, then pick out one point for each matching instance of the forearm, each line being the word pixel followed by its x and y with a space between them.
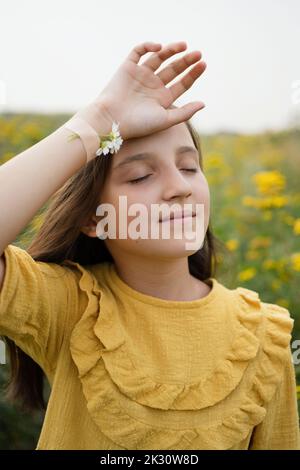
pixel 30 178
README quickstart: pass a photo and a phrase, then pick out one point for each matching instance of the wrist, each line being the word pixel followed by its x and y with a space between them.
pixel 96 129
pixel 96 114
pixel 110 112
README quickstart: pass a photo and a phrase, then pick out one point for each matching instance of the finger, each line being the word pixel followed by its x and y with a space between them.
pixel 187 81
pixel 142 49
pixel 178 115
pixel 155 60
pixel 177 67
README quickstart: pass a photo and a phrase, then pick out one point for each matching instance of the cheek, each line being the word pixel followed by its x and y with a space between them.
pixel 110 195
pixel 201 191
pixel 122 201
pixel 206 195
pixel 130 195
pixel 202 196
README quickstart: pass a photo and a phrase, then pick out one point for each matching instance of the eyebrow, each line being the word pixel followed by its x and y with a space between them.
pixel 149 155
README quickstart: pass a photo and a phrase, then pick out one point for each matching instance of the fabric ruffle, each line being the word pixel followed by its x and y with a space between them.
pixel 135 412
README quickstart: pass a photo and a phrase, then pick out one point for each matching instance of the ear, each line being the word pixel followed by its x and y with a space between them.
pixel 90 228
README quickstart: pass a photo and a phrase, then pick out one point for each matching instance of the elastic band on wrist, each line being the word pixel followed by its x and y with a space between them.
pixel 87 134
pixel 94 143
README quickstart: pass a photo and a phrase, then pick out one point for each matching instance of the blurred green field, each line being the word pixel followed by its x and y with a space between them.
pixel 255 211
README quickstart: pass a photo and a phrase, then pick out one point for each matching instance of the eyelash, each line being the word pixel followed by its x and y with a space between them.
pixel 137 180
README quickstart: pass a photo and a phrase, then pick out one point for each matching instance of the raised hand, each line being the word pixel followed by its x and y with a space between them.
pixel 137 96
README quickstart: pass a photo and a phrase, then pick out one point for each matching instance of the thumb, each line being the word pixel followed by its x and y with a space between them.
pixel 178 115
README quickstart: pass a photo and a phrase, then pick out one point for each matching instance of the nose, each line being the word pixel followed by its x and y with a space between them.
pixel 176 185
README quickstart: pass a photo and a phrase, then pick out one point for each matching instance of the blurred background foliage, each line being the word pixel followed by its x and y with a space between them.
pixel 255 211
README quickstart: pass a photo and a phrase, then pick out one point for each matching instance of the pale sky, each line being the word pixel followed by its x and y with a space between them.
pixel 57 55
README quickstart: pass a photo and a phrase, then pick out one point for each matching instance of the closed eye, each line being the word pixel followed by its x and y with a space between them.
pixel 137 180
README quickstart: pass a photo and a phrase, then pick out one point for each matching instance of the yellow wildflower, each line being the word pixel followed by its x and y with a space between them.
pixel 272 201
pixel 269 264
pixel 247 274
pixel 295 258
pixel 265 202
pixel 297 227
pixel 269 183
pixel 260 242
pixel 214 160
pixel 232 244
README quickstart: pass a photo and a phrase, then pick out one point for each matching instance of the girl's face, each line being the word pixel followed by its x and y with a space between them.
pixel 166 179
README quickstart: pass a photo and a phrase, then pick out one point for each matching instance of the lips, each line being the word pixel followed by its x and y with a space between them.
pixel 178 215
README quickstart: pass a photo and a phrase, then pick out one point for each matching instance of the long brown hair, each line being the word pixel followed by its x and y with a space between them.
pixel 60 238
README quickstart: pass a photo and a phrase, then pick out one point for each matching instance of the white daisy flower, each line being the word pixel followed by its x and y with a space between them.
pixel 106 150
pixel 99 152
pixel 117 143
pixel 114 142
pixel 115 127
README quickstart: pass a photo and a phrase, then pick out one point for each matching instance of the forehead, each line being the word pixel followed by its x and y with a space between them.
pixel 174 136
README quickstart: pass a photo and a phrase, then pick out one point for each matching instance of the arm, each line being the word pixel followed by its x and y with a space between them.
pixel 29 179
pixel 39 303
pixel 280 427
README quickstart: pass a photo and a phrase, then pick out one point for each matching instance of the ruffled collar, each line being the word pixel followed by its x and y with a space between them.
pixel 138 412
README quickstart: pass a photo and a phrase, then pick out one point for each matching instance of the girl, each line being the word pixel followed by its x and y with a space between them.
pixel 142 346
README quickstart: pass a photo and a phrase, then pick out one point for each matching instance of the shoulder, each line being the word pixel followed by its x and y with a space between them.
pixel 270 326
pixel 20 261
pixel 37 301
pixel 251 311
pixel 260 334
pixel 26 276
pixel 259 355
pixel 43 285
pixel 275 317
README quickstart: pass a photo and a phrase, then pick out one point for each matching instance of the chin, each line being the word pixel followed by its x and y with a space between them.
pixel 168 248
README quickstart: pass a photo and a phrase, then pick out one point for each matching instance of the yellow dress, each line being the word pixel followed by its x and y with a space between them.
pixel 132 371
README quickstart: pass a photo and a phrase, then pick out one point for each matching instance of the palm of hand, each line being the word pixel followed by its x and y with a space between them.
pixel 138 98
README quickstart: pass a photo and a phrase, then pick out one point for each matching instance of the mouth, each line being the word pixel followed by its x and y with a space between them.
pixel 178 215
